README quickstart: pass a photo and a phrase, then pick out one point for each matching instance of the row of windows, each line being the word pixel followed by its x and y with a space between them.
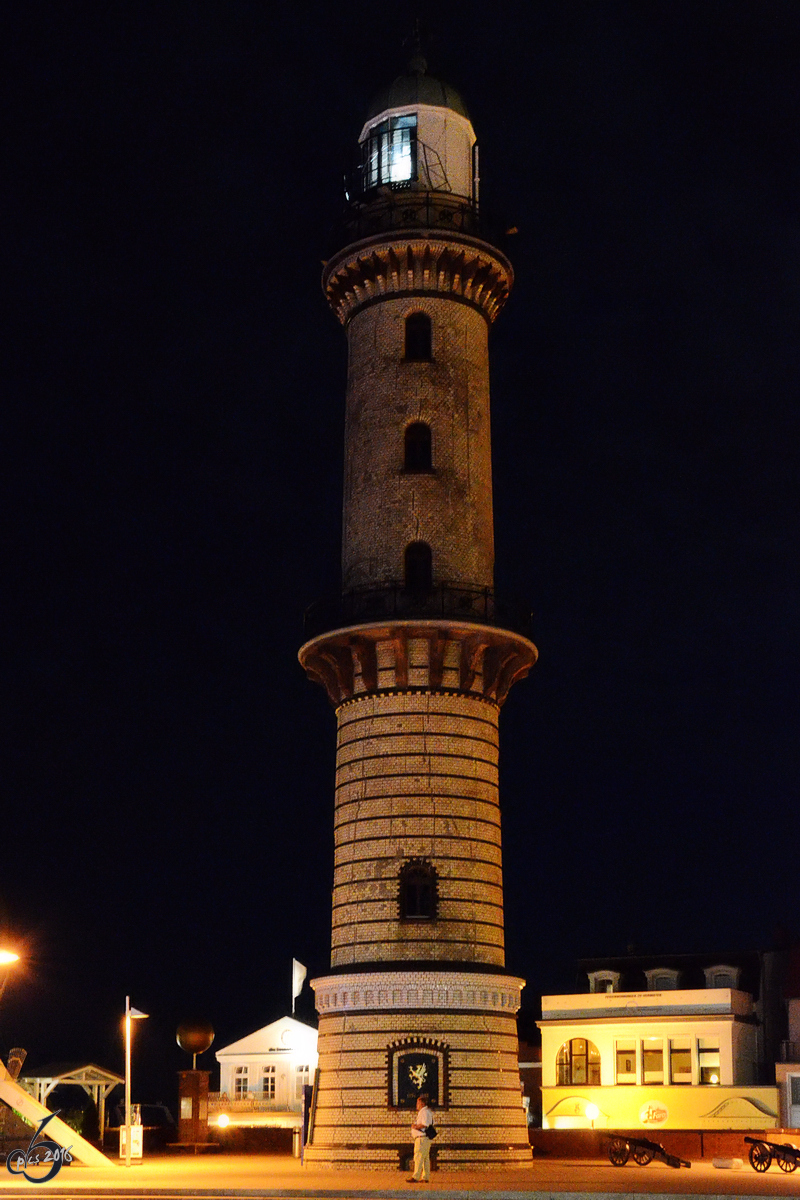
pixel 651 1060
pixel 266 1085
pixel 665 979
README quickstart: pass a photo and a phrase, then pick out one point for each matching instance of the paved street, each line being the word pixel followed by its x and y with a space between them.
pixel 265 1175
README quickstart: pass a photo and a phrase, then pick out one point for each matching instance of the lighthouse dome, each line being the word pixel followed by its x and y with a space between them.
pixel 414 87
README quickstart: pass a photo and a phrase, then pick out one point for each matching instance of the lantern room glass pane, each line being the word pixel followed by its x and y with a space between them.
pixel 390 152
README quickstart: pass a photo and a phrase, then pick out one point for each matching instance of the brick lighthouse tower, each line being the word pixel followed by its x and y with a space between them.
pixel 417 656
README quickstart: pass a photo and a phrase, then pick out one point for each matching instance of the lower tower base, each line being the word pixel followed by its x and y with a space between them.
pixel 385 1037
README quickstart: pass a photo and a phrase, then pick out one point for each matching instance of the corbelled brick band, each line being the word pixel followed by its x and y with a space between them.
pixel 462 268
pixel 441 656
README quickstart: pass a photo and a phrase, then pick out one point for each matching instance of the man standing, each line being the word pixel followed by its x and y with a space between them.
pixel 422 1143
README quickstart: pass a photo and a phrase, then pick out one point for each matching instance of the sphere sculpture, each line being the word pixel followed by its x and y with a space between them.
pixel 194 1037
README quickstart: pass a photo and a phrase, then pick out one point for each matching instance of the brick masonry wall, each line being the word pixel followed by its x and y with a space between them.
pixel 416 778
pixel 384 508
pixel 480 1117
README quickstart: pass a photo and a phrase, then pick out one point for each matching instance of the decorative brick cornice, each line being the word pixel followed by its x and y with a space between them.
pixel 437 990
pixel 462 658
pixel 390 266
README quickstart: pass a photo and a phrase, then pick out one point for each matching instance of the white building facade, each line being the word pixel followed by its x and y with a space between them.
pixel 262 1076
pixel 679 1059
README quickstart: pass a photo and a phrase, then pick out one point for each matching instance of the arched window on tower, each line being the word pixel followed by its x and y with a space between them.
pixel 418 448
pixel 418 337
pixel 418 567
pixel 418 891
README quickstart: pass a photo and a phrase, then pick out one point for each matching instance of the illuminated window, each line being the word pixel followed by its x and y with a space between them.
pixel 302 1076
pixel 240 1082
pixel 417 448
pixel 390 152
pixel 268 1083
pixel 578 1062
pixel 652 1060
pixel 418 337
pixel 680 1060
pixel 626 1062
pixel 418 567
pixel 418 892
pixel 708 1060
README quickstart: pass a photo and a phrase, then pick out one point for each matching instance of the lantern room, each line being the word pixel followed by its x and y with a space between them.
pixel 417 136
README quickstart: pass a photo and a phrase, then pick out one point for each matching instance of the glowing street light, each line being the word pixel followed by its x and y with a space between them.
pixel 592 1112
pixel 131 1014
pixel 7 959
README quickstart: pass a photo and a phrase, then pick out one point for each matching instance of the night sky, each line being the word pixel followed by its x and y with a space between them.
pixel 173 412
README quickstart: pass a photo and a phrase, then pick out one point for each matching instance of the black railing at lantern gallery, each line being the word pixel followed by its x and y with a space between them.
pixel 385 210
pixel 394 601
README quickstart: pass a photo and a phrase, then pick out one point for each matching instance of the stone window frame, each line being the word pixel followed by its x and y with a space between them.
pixel 599 980
pixel 418 866
pixel 241 1082
pixel 668 975
pixel 731 975
pixel 422 1045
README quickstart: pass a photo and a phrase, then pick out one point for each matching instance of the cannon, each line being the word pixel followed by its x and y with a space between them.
pixel 642 1151
pixel 762 1153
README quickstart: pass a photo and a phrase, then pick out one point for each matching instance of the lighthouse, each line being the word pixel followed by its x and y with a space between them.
pixel 417 655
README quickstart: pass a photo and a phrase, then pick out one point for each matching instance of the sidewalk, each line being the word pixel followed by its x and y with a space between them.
pixel 281 1176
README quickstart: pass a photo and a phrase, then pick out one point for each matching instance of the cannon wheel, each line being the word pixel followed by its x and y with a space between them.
pixel 641 1155
pixel 619 1152
pixel 787 1162
pixel 760 1156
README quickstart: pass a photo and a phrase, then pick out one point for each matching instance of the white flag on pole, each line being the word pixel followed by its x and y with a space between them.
pixel 299 973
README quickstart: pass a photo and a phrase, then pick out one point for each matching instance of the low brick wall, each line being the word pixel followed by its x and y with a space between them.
pixel 686 1143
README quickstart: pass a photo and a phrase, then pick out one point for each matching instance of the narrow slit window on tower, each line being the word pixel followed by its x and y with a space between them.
pixel 418 567
pixel 419 337
pixel 417 892
pixel 418 448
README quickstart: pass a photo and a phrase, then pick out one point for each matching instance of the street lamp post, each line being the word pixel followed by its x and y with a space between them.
pixel 131 1014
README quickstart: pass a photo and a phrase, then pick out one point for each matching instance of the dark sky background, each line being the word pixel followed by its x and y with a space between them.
pixel 173 412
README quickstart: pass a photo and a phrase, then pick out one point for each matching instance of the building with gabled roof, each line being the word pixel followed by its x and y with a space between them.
pixel 262 1077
